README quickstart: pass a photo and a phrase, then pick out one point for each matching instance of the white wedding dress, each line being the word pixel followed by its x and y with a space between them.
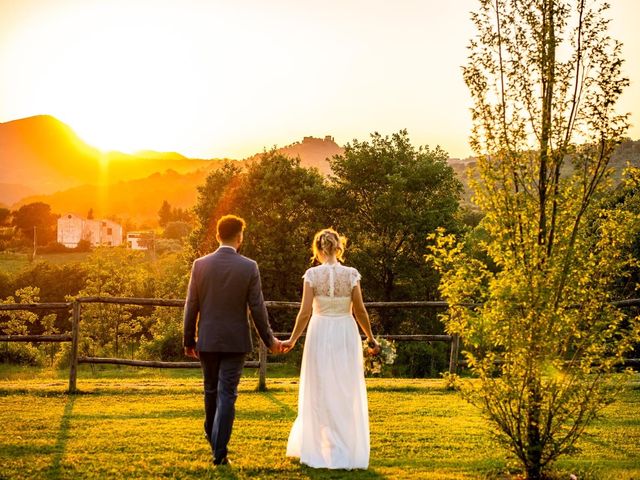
pixel 332 427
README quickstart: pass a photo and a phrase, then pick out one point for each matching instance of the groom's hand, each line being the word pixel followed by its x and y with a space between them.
pixel 191 352
pixel 276 346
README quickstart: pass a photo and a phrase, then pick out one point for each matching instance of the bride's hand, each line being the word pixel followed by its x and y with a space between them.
pixel 288 345
pixel 375 350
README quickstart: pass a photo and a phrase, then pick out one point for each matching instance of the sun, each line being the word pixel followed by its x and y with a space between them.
pixel 122 78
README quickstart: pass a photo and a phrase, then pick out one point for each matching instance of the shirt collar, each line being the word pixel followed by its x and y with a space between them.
pixel 227 246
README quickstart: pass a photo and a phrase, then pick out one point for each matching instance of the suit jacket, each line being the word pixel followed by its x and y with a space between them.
pixel 221 286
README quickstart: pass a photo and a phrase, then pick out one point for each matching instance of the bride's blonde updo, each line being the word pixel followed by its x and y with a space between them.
pixel 328 242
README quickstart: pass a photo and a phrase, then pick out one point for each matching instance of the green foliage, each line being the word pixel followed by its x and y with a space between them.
pixel 55 282
pixel 421 359
pixel 387 196
pixel 282 203
pixel 5 216
pixel 36 215
pixel 165 342
pixel 115 272
pixel 209 208
pixel 545 335
pixel 20 354
pixel 177 230
pixel 17 322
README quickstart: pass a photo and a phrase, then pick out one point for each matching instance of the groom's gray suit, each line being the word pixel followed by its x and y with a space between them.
pixel 222 285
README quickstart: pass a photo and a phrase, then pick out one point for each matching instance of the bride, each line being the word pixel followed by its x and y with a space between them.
pixel 332 427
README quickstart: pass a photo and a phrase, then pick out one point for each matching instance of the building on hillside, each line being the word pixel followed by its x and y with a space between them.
pixel 140 240
pixel 99 233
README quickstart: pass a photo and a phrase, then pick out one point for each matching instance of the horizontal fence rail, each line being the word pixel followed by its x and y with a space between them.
pixel 36 338
pixel 75 307
pixel 150 363
pixel 35 306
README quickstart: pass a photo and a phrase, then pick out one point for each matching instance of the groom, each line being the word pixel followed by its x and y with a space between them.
pixel 222 285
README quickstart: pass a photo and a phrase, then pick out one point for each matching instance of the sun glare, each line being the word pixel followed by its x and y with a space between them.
pixel 116 79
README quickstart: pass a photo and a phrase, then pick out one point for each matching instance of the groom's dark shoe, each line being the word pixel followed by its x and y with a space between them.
pixel 222 461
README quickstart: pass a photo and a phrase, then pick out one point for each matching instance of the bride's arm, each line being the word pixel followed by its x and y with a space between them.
pixel 304 314
pixel 362 317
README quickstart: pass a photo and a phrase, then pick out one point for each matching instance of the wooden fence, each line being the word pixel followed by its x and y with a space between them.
pixel 76 309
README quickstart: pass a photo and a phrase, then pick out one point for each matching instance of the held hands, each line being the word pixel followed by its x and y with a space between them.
pixel 288 345
pixel 276 346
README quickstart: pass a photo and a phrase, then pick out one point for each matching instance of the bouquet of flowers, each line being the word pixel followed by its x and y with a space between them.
pixel 373 364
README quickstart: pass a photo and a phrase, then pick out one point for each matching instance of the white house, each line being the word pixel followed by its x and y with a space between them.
pixel 73 228
pixel 140 240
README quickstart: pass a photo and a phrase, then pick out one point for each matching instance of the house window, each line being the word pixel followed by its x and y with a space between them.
pixel 109 231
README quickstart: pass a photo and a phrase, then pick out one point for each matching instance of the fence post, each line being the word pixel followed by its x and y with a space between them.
pixel 453 357
pixel 73 357
pixel 262 359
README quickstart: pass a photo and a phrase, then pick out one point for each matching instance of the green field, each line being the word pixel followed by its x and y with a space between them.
pixel 15 262
pixel 147 424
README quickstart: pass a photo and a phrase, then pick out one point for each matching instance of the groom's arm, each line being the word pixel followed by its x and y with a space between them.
pixel 191 309
pixel 258 309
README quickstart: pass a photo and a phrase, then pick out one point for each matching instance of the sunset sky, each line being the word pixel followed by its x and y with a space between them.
pixel 228 78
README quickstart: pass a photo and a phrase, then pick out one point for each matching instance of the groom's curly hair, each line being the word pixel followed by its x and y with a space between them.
pixel 229 226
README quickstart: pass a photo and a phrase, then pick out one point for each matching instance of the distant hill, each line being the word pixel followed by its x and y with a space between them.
pixel 313 152
pixel 138 200
pixel 44 160
pixel 42 154
pixel 627 153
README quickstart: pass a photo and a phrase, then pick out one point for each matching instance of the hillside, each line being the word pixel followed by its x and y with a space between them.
pixel 313 152
pixel 627 153
pixel 41 154
pixel 138 200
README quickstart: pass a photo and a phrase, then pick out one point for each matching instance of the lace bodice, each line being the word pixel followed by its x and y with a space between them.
pixel 332 285
pixel 333 280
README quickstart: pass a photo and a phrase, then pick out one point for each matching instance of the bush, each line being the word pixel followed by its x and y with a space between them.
pixel 166 342
pixel 421 359
pixel 54 247
pixel 83 246
pixel 20 354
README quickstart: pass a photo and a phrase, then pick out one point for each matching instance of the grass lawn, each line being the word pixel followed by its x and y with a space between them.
pixel 143 423
pixel 15 262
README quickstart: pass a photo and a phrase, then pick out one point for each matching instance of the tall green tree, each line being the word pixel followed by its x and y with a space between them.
pixel 544 77
pixel 36 215
pixel 164 214
pixel 283 204
pixel 5 216
pixel 388 195
pixel 209 208
pixel 114 272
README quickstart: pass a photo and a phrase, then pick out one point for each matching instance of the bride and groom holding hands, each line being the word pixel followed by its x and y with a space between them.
pixel 332 426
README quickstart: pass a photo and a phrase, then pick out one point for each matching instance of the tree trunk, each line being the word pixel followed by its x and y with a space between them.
pixel 534 444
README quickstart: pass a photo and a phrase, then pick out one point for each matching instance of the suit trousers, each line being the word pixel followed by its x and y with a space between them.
pixel 221 372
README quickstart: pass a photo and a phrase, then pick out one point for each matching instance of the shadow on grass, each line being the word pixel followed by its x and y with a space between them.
pixel 286 409
pixel 60 448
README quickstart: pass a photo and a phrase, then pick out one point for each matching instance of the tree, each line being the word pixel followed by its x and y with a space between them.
pixel 388 195
pixel 164 214
pixel 5 215
pixel 177 230
pixel 209 208
pixel 36 215
pixel 114 272
pixel 544 77
pixel 283 204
